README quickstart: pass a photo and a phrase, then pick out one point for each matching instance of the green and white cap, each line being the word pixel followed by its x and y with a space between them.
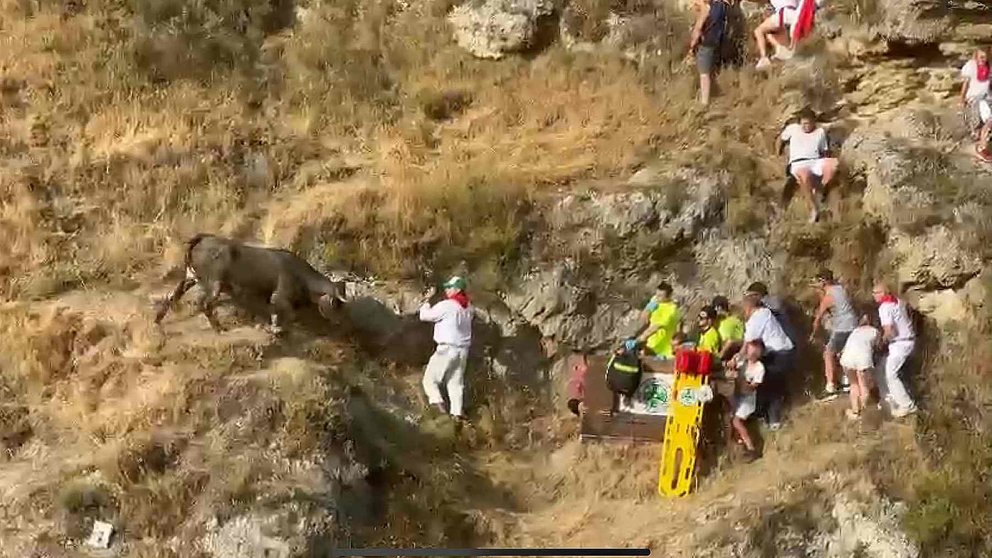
pixel 455 282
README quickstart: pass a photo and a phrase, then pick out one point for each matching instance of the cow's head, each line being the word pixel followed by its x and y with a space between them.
pixel 331 301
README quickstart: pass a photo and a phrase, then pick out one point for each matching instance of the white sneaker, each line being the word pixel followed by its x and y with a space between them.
pixel 814 216
pixel 852 415
pixel 784 53
pixel 899 412
pixel 763 63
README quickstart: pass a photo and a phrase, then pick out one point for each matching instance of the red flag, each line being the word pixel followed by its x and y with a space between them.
pixel 804 21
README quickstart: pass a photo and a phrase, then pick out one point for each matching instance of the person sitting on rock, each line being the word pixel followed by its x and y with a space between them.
pixel 975 101
pixel 707 38
pixel 661 319
pixel 730 327
pixel 809 158
pixel 777 29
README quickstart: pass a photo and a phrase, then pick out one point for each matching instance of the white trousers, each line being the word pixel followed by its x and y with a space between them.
pixel 447 366
pixel 893 387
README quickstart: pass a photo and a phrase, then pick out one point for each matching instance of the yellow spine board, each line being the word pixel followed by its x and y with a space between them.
pixel 678 453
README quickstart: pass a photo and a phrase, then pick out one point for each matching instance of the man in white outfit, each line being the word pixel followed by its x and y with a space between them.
pixel 452 319
pixel 897 331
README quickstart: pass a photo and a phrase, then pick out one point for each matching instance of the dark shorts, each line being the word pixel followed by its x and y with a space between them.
pixel 624 383
pixel 706 59
pixel 837 340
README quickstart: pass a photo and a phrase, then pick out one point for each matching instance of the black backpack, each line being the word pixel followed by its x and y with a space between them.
pixel 623 372
pixel 716 24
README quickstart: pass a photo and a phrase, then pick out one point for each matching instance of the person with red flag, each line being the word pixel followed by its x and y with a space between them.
pixel 452 318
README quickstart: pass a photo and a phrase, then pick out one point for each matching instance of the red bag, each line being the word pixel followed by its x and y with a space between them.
pixel 705 363
pixel 686 361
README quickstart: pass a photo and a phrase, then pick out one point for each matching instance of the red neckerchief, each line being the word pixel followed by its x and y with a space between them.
pixel 982 72
pixel 889 298
pixel 461 298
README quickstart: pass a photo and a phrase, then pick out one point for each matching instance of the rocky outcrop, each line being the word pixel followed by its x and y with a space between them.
pixel 493 28
pixel 726 264
pixel 934 260
pixel 912 21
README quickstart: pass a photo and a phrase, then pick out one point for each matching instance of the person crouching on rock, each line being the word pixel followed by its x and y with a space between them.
pixel 623 373
pixel 452 319
pixel 809 158
pixel 975 76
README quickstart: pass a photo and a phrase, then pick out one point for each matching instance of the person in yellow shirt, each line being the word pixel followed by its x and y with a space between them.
pixel 662 320
pixel 709 336
pixel 731 327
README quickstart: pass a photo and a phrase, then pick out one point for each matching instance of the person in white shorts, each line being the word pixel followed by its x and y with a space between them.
pixel 858 360
pixel 774 31
pixel 452 319
pixel 975 82
pixel 746 395
pixel 898 333
pixel 809 158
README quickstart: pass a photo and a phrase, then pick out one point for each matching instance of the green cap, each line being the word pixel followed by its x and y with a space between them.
pixel 455 282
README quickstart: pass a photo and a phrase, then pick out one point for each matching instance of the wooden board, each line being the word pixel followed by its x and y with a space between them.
pixel 621 427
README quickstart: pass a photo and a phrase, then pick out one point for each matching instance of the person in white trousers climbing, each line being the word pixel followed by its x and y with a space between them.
pixel 452 319
pixel 898 333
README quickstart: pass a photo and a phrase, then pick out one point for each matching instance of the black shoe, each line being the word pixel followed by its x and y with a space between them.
pixel 573 405
pixel 751 455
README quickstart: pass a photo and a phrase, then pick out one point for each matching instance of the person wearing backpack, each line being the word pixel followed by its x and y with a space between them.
pixel 623 372
pixel 706 42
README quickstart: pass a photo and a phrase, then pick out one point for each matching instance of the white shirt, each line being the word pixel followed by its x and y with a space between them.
pixel 858 353
pixel 754 372
pixel 895 315
pixel 803 145
pixel 763 325
pixel 976 88
pixel 780 4
pixel 452 323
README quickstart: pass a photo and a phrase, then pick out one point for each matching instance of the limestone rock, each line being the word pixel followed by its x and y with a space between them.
pixel 866 532
pixel 935 259
pixel 726 264
pixel 911 22
pixel 493 28
pixel 945 307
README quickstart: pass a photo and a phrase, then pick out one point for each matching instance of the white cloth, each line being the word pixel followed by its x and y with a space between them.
pixel 779 4
pixel 754 372
pixel 895 315
pixel 893 387
pixel 976 88
pixel 447 367
pixel 745 404
pixel 452 323
pixel 763 325
pixel 815 166
pixel 858 353
pixel 984 111
pixel 804 145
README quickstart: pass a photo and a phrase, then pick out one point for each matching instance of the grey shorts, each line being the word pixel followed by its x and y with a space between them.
pixel 837 340
pixel 706 59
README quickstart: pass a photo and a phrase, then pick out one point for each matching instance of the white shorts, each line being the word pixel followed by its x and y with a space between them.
pixel 745 404
pixel 815 166
pixel 984 110
pixel 856 360
pixel 784 18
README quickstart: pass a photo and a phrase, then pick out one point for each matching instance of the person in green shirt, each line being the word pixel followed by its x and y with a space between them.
pixel 709 336
pixel 661 319
pixel 731 327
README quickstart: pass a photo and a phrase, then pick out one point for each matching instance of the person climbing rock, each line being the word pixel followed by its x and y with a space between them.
pixel 774 31
pixel 706 43
pixel 858 361
pixel 835 302
pixel 730 327
pixel 809 158
pixel 975 101
pixel 900 337
pixel 777 306
pixel 661 320
pixel 745 395
pixel 709 336
pixel 452 318
pixel 778 358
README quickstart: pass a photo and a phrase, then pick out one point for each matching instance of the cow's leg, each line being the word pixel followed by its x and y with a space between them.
pixel 209 302
pixel 281 303
pixel 165 305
